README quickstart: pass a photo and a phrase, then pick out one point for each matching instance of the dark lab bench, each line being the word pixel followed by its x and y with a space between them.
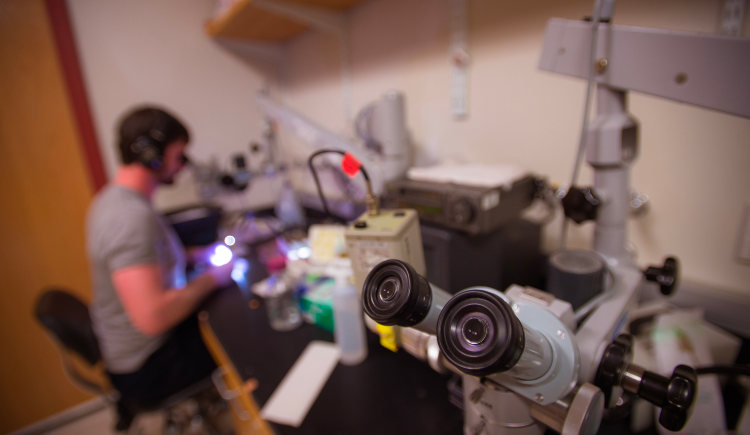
pixel 388 393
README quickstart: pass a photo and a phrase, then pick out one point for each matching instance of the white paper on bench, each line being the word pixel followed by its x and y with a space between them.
pixel 300 387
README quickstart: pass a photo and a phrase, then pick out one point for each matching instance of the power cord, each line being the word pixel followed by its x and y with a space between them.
pixel 736 370
pixel 587 108
pixel 370 201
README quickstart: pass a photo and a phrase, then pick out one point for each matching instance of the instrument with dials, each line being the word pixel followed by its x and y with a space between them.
pixel 470 208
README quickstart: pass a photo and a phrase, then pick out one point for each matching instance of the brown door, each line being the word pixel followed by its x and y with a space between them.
pixel 44 191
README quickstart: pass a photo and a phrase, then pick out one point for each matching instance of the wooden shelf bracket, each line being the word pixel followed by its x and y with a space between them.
pixel 322 19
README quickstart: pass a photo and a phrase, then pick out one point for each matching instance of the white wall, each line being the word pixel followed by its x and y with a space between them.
pixel 693 162
pixel 144 51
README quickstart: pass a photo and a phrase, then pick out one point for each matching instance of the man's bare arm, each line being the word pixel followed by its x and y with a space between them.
pixel 153 309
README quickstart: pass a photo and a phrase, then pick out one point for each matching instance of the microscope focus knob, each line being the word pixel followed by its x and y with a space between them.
pixel 614 362
pixel 581 204
pixel 666 276
pixel 675 396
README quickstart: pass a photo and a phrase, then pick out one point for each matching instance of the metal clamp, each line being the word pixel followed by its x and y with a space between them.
pixel 232 396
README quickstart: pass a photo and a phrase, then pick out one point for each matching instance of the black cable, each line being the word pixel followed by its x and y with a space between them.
pixel 737 370
pixel 317 181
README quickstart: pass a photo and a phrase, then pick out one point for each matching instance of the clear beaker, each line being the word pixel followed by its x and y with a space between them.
pixel 282 305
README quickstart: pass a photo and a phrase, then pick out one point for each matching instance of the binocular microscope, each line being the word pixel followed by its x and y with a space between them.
pixel 527 360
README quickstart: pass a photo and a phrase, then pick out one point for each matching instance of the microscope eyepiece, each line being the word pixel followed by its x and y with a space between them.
pixel 475 330
pixel 479 333
pixel 388 290
pixel 394 294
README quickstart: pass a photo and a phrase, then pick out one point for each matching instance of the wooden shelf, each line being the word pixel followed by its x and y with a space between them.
pixel 243 20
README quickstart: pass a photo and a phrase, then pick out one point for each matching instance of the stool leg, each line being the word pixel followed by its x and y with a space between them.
pixel 248 421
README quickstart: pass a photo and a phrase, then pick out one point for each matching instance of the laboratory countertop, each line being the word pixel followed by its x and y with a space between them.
pixel 388 393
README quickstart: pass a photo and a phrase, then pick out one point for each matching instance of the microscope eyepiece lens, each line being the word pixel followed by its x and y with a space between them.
pixel 474 330
pixel 394 294
pixel 479 334
pixel 388 289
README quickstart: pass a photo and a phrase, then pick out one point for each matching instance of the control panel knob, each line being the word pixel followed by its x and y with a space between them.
pixel 581 204
pixel 462 212
pixel 666 276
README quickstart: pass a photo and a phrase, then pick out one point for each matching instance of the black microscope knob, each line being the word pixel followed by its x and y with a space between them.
pixel 666 276
pixel 581 204
pixel 675 396
pixel 614 361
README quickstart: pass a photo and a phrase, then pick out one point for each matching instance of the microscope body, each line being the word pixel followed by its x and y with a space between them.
pixel 491 409
pixel 504 403
pixel 527 361
pixel 523 364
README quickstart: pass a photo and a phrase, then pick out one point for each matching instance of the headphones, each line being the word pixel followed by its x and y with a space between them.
pixel 149 148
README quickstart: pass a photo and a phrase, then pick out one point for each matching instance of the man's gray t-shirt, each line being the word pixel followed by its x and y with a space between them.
pixel 123 230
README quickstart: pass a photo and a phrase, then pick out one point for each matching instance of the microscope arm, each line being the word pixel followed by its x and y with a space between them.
pixel 608 320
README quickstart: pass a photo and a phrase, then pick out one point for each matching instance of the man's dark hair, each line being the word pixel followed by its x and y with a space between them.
pixel 140 123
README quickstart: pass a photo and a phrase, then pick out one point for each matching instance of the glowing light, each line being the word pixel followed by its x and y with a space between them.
pixel 292 255
pixel 229 240
pixel 221 256
pixel 240 269
pixel 304 252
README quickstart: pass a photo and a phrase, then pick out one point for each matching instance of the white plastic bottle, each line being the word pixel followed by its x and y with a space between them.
pixel 349 327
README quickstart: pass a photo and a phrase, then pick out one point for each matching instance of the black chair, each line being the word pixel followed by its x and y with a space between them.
pixel 67 320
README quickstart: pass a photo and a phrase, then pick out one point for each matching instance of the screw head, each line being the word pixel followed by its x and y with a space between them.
pixel 516 308
pixel 680 78
pixel 601 65
pixel 561 334
pixel 539 397
pixel 476 395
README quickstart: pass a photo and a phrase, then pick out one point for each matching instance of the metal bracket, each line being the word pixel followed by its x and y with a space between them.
pixel 232 396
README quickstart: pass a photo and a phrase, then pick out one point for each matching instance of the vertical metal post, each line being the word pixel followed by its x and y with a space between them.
pixel 610 149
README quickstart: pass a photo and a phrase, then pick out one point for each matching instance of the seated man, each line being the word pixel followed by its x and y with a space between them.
pixel 143 308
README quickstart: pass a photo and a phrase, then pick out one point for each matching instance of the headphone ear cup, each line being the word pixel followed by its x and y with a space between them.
pixel 150 157
pixel 147 153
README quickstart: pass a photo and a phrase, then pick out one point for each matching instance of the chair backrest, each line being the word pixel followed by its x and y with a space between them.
pixel 68 319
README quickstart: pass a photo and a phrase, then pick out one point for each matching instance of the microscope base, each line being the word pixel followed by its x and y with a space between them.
pixel 490 409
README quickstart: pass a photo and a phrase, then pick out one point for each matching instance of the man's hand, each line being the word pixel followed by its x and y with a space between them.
pixel 200 254
pixel 222 275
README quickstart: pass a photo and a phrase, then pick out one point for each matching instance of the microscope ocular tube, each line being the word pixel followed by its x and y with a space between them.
pixel 394 294
pixel 536 359
pixel 480 335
